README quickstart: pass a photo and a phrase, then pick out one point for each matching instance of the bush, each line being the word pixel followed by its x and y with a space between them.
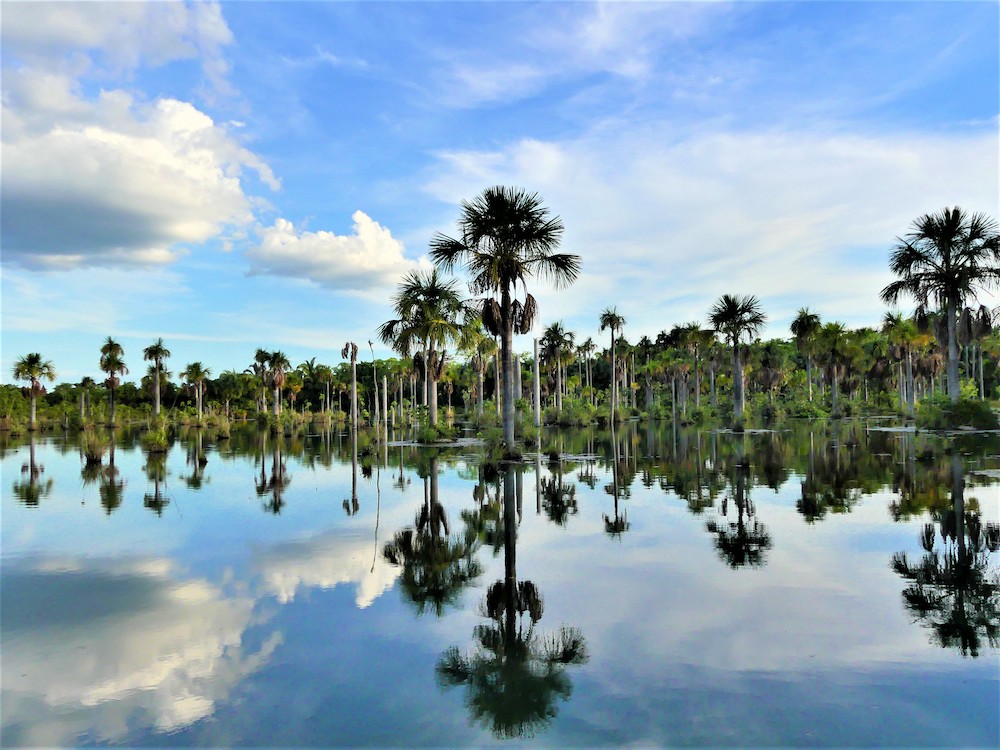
pixel 94 446
pixel 438 433
pixel 939 413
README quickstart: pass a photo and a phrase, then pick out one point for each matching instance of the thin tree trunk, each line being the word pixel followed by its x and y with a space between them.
pixel 614 377
pixel 909 384
pixel 506 353
pixel 954 390
pixel 809 375
pixel 156 390
pixel 737 383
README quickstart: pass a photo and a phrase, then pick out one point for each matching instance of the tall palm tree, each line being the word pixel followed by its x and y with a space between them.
pixel 737 318
pixel 506 237
pixel 902 335
pixel 610 318
pixel 804 328
pixel 195 375
pixel 350 350
pixel 429 311
pixel 587 349
pixel 156 353
pixel 837 348
pixel 946 258
pixel 33 368
pixel 112 362
pixel 278 366
pixel 259 369
pixel 86 383
pixel 695 339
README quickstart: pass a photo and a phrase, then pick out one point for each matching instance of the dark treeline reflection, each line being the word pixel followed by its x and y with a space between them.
pixel 952 591
pixel 514 673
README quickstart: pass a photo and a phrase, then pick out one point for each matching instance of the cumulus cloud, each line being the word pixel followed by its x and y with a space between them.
pixel 795 218
pixel 115 38
pixel 114 181
pixel 325 562
pixel 172 649
pixel 368 258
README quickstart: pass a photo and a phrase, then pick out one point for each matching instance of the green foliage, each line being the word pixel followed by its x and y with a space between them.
pixel 436 434
pixel 575 413
pixel 939 413
pixel 94 446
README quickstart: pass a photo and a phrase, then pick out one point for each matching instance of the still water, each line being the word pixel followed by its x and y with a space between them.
pixel 825 584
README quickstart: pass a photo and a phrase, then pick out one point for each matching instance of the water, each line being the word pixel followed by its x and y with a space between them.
pixel 651 587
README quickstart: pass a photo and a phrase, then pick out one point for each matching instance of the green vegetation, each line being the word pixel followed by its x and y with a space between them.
pixel 721 373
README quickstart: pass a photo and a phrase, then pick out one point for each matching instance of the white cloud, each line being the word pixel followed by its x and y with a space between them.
pixel 370 257
pixel 115 38
pixel 325 562
pixel 114 181
pixel 170 652
pixel 795 218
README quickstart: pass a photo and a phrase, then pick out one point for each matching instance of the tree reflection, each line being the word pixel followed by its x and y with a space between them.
pixel 197 460
pixel 32 488
pixel 271 486
pixel 558 498
pixel 515 674
pixel 351 505
pixel 953 592
pixel 741 543
pixel 618 524
pixel 436 566
pixel 156 472
pixel 110 486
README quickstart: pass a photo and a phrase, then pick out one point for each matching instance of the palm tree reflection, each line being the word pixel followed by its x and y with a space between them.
pixel 32 488
pixel 619 487
pixel 514 674
pixel 272 486
pixel 156 472
pixel 436 566
pixel 953 591
pixel 743 543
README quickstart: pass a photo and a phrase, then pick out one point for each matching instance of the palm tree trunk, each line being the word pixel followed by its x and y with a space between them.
pixel 432 394
pixel 497 386
pixel 834 389
pixel 697 380
pixel 809 375
pixel 614 377
pixel 902 384
pixel 111 402
pixel 711 383
pixel 558 387
pixel 276 406
pixel 953 381
pixel 354 394
pixel 31 421
pixel 910 395
pixel 480 384
pixel 506 353
pixel 737 383
pixel 982 385
pixel 156 390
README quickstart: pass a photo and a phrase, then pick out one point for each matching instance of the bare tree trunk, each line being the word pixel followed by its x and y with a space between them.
pixel 954 390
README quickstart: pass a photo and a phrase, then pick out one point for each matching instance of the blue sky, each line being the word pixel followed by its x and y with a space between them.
pixel 261 174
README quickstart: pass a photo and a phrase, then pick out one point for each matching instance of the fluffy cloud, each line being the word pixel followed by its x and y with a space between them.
pixel 114 181
pixel 171 650
pixel 795 218
pixel 324 562
pixel 115 37
pixel 369 258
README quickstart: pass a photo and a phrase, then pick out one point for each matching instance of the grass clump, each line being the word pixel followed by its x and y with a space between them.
pixel 93 446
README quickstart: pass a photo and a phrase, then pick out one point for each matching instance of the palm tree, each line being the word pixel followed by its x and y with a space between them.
pixel 33 368
pixel 156 353
pixel 902 335
pixel 428 309
pixel 195 375
pixel 587 349
pixel 86 383
pixel 737 318
pixel 695 339
pixel 113 364
pixel 259 369
pixel 835 343
pixel 804 328
pixel 278 366
pixel 611 319
pixel 506 236
pixel 946 258
pixel 351 350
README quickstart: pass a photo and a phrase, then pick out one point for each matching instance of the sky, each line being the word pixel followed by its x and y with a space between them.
pixel 234 176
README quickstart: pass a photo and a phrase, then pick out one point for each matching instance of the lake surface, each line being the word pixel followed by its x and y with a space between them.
pixel 826 584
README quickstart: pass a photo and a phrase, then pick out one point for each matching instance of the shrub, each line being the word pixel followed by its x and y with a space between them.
pixel 939 413
pixel 94 446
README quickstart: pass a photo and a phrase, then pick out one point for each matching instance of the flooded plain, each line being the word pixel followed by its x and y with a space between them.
pixel 821 584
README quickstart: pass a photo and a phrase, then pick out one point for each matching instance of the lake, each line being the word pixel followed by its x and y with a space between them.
pixel 823 584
